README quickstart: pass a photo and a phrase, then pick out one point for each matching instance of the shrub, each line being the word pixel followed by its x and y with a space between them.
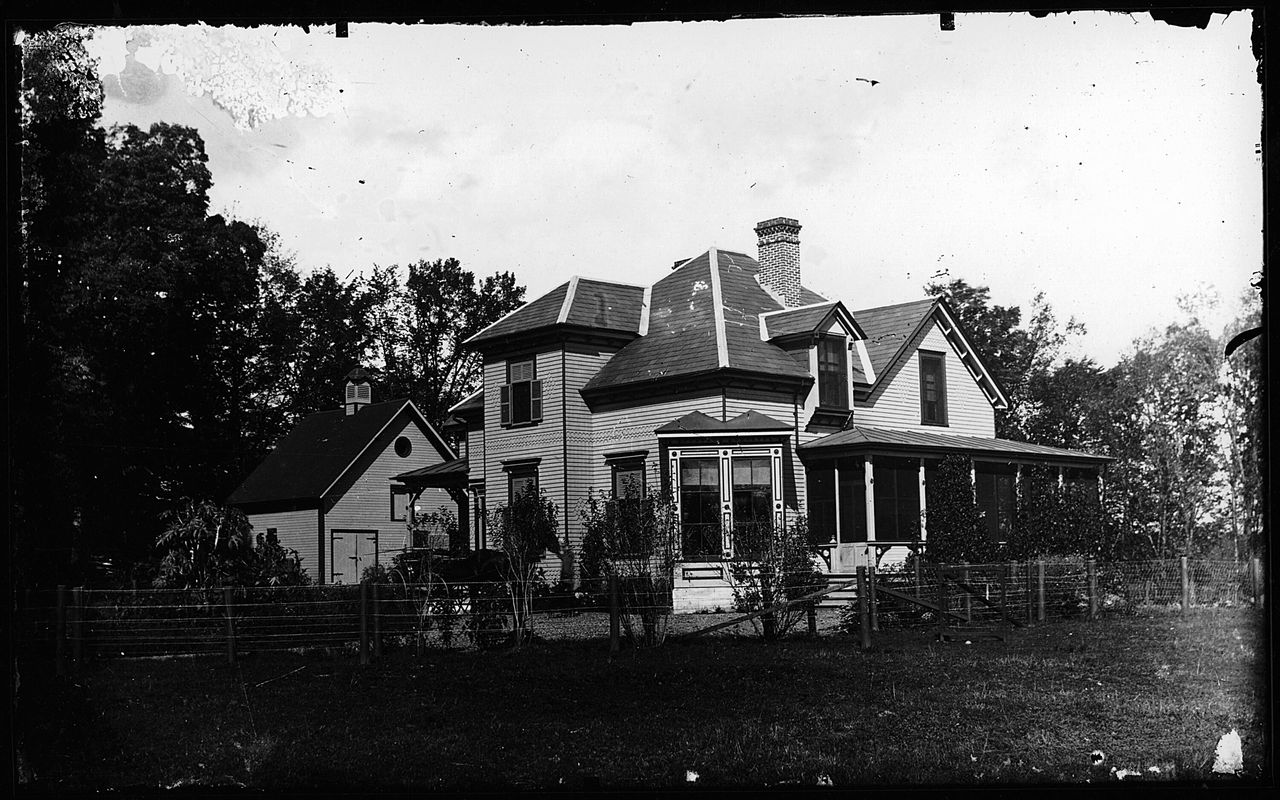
pixel 956 529
pixel 524 531
pixel 632 540
pixel 205 546
pixel 773 565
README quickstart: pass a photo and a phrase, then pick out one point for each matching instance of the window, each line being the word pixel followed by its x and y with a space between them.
pixel 700 507
pixel 520 399
pixel 628 479
pixel 822 502
pixel 404 447
pixel 833 372
pixel 852 489
pixel 400 510
pixel 933 389
pixel 752 500
pixel 897 499
pixel 521 479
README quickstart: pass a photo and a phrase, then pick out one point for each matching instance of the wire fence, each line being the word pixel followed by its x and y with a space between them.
pixel 74 625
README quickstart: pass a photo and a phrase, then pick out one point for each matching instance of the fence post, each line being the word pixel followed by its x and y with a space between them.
pixel 966 597
pixel 1255 570
pixel 60 631
pixel 1040 590
pixel 864 612
pixel 1186 586
pixel 377 625
pixel 1027 591
pixel 811 616
pixel 942 600
pixel 231 626
pixel 1004 595
pixel 916 562
pixel 1091 571
pixel 614 616
pixel 77 626
pixel 874 600
pixel 364 622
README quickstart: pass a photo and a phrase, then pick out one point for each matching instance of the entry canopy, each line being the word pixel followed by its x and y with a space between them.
pixel 445 475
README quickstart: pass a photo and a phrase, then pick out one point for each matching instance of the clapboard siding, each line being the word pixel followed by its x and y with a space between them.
pixel 295 530
pixel 367 504
pixel 544 440
pixel 969 413
pixel 581 364
pixel 627 429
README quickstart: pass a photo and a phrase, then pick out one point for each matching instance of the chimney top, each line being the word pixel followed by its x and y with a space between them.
pixel 779 257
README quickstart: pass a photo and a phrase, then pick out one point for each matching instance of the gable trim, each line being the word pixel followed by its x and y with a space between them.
pixel 464 400
pixel 978 370
pixel 442 447
pixel 717 308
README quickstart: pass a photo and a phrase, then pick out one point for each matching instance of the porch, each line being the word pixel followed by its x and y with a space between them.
pixel 869 489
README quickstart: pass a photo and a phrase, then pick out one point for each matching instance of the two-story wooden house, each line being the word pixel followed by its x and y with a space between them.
pixel 746 395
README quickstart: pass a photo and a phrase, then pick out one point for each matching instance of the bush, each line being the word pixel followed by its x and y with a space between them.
pixel 632 540
pixel 524 531
pixel 773 565
pixel 205 546
pixel 956 529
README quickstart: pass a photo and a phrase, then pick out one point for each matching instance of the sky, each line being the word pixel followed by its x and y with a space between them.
pixel 1108 160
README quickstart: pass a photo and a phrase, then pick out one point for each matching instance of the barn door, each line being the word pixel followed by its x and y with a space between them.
pixel 350 553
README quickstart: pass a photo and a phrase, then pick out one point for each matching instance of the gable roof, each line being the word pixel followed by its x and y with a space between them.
pixel 860 437
pixel 579 302
pixel 807 319
pixel 704 316
pixel 893 333
pixel 321 449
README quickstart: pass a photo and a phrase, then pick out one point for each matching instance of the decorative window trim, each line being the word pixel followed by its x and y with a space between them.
pixel 929 356
pixel 724 458
pixel 517 469
pixel 629 462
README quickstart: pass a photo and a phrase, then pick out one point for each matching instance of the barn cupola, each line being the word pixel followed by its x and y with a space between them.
pixel 779 257
pixel 359 391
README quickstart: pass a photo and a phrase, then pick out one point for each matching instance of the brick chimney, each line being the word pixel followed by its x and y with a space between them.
pixel 359 391
pixel 779 243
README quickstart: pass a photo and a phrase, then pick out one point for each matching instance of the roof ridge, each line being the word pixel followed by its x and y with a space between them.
pixel 567 303
pixel 717 309
pixel 895 305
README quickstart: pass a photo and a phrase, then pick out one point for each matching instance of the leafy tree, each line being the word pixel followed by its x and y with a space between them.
pixel 1019 357
pixel 336 336
pixel 419 328
pixel 1240 384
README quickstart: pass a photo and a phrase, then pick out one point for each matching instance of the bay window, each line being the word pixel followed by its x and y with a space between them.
pixel 724 496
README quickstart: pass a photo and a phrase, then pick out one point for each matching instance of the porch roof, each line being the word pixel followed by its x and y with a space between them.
pixel 863 439
pixel 450 474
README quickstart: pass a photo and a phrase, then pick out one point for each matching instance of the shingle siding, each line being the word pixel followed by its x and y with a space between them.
pixel 969 413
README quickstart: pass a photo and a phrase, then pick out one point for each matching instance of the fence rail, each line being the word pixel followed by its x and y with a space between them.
pixel 79 624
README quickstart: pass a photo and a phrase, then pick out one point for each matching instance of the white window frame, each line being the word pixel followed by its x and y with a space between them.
pixel 724 457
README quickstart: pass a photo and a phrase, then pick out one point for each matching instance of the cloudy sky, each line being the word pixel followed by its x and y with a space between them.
pixel 1106 159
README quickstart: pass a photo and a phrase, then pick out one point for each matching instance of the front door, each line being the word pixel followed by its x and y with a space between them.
pixel 350 552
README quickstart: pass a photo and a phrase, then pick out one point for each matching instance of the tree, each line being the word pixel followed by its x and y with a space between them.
pixel 419 328
pixel 1019 357
pixel 956 531
pixel 773 565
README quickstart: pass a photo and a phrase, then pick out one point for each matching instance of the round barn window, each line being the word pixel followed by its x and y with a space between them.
pixel 404 447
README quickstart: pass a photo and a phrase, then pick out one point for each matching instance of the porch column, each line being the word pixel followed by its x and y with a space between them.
pixel 868 479
pixel 463 498
pixel 923 515
pixel 835 471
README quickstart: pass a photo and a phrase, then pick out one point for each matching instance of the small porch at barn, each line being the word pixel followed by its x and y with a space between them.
pixel 868 488
pixel 453 477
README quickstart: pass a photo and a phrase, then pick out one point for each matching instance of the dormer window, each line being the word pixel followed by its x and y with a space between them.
pixel 933 389
pixel 520 401
pixel 833 372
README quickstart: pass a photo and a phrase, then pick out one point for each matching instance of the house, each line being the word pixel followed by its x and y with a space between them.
pixel 746 395
pixel 328 491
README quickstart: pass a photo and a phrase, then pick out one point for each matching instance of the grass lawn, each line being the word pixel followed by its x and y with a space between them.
pixel 1153 691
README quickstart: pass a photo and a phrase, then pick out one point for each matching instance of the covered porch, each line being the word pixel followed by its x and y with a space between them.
pixel 454 477
pixel 868 489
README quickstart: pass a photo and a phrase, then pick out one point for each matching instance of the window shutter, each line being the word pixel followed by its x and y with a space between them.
pixel 535 401
pixel 504 404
